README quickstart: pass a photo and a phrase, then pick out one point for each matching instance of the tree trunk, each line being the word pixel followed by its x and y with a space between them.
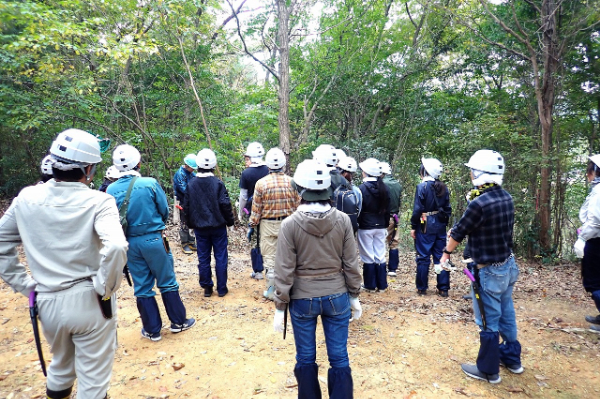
pixel 284 79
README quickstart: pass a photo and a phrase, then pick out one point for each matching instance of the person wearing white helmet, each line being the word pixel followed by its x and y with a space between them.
pixel 75 250
pixel 429 220
pixel 348 197
pixel 317 274
pixel 255 170
pixel 150 260
pixel 180 181
pixel 208 210
pixel 329 156
pixel 488 222
pixel 587 245
pixel 274 200
pixel 372 225
pixel 393 232
pixel 46 168
pixel 111 175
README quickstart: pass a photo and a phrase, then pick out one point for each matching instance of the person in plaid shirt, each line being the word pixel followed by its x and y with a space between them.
pixel 274 200
pixel 488 221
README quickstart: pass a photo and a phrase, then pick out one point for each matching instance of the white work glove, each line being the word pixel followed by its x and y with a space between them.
pixel 437 268
pixel 578 248
pixel 447 266
pixel 356 308
pixel 278 320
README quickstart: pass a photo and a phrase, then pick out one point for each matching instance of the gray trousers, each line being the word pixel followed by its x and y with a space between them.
pixel 82 341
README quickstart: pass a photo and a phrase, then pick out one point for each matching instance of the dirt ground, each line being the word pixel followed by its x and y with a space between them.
pixel 404 346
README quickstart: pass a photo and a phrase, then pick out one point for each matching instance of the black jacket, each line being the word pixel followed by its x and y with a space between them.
pixel 207 205
pixel 370 218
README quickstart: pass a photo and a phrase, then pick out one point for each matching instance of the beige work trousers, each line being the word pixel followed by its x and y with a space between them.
pixel 392 238
pixel 82 341
pixel 269 231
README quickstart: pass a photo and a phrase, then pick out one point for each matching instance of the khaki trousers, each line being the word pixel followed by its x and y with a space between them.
pixel 393 238
pixel 269 231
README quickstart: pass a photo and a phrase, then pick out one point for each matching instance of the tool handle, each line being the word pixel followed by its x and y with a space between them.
pixel 469 274
pixel 32 296
pixel 246 211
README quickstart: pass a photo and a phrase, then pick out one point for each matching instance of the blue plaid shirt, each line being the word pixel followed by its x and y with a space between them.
pixel 488 221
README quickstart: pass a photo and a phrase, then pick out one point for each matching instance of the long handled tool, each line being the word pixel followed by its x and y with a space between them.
pixel 285 321
pixel 33 313
pixel 476 287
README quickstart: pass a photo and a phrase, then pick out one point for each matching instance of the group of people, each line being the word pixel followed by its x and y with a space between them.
pixel 305 232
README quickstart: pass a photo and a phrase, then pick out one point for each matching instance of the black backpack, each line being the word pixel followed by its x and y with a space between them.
pixel 345 200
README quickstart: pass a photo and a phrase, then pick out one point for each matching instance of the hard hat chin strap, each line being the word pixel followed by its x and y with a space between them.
pixel 88 177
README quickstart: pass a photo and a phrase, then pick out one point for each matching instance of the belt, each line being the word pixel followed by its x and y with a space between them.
pixel 431 213
pixel 482 265
pixel 279 218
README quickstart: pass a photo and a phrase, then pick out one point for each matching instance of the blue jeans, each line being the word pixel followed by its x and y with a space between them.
pixel 497 283
pixel 149 262
pixel 206 242
pixel 335 316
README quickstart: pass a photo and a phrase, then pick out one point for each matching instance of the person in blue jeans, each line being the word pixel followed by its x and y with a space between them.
pixel 208 210
pixel 488 221
pixel 316 255
pixel 431 212
pixel 149 258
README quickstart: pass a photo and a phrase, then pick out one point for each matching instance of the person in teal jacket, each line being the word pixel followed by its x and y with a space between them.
pixel 150 260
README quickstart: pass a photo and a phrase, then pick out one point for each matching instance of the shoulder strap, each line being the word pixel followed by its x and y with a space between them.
pixel 437 205
pixel 125 204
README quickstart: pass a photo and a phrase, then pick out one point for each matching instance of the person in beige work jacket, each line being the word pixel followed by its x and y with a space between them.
pixel 317 274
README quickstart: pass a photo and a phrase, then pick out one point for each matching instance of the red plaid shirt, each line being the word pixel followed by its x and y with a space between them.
pixel 274 197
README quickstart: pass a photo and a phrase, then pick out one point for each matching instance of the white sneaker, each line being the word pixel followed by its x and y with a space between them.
pixel 257 275
pixel 392 273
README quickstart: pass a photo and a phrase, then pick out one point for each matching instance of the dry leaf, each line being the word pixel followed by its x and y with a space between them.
pixel 178 366
pixel 515 389
pixel 541 377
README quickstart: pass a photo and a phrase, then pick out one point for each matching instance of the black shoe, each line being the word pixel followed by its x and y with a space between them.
pixel 443 293
pixel 208 291
pixel 472 371
pixel 593 319
pixel 222 294
pixel 422 292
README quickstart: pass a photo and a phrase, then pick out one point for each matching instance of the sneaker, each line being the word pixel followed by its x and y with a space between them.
pixel 443 293
pixel 222 294
pixel 186 249
pixel 177 328
pixel 152 337
pixel 513 368
pixel 365 289
pixel 392 273
pixel 422 292
pixel 595 328
pixel 593 319
pixel 472 371
pixel 257 275
pixel 208 291
pixel 192 246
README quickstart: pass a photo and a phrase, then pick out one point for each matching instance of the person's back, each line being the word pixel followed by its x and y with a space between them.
pixel 208 204
pixel 395 193
pixel 371 216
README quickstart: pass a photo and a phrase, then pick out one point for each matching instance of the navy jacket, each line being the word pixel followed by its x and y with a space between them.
pixel 207 205
pixel 425 201
pixel 370 218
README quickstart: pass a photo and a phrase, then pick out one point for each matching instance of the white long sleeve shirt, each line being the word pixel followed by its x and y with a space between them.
pixel 589 215
pixel 70 234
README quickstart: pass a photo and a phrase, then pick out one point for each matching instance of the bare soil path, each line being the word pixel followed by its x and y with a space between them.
pixel 404 346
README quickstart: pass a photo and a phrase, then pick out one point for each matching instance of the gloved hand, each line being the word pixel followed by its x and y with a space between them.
pixel 278 321
pixel 447 266
pixel 250 232
pixel 578 248
pixel 437 268
pixel 356 308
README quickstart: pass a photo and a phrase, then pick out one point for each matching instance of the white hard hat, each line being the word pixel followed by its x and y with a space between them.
pixel 46 166
pixel 433 167
pixel 386 168
pixel 488 161
pixel 126 157
pixel 206 159
pixel 113 173
pixel 76 146
pixel 595 159
pixel 255 150
pixel 326 154
pixel 371 167
pixel 312 175
pixel 275 159
pixel 348 164
pixel 341 154
pixel 190 160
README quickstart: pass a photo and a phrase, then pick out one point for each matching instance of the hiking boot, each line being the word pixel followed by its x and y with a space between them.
pixel 208 291
pixel 593 319
pixel 186 249
pixel 177 328
pixel 392 273
pixel 152 337
pixel 443 293
pixel 422 292
pixel 192 246
pixel 222 294
pixel 513 368
pixel 257 275
pixel 595 328
pixel 472 371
